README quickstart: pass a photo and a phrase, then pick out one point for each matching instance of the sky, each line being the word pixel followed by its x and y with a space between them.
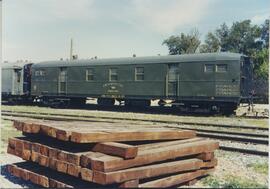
pixel 39 30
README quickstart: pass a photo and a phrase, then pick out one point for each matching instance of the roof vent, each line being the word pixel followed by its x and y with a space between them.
pixel 134 55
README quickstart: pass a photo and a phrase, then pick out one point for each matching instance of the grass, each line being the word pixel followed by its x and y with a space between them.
pixel 260 167
pixel 231 182
pixel 7 131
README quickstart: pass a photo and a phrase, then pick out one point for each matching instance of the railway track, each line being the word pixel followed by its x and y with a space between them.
pixel 136 119
pixel 242 137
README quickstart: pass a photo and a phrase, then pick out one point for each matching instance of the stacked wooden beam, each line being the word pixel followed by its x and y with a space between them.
pixel 109 154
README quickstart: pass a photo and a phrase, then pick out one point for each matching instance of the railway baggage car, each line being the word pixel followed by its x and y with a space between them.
pixel 210 81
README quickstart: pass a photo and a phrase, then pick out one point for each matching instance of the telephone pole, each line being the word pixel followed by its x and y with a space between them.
pixel 71 49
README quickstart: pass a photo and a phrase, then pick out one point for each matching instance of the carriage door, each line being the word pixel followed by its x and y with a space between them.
pixel 17 81
pixel 172 79
pixel 62 81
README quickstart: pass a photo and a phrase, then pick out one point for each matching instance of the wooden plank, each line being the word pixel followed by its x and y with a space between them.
pixel 61 166
pixel 175 179
pixel 89 132
pixel 73 170
pixel 53 153
pixel 154 145
pixel 43 160
pixel 130 184
pixel 63 134
pixel 18 147
pixel 11 150
pixel 130 136
pixel 210 164
pixel 52 163
pixel 11 142
pixel 46 177
pixel 110 163
pixel 112 148
pixel 146 171
pixel 206 156
pixel 26 155
pixel 27 145
pixel 34 156
pixel 44 150
pixel 87 174
pixel 86 159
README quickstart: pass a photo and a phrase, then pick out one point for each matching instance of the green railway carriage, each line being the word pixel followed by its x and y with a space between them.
pixel 212 81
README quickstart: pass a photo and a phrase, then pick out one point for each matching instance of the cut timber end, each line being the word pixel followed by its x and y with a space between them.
pixel 63 135
pixel 112 148
pixel 130 136
pixel 87 174
pixel 130 184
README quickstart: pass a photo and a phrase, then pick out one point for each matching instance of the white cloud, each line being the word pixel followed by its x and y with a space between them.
pixel 70 9
pixel 260 18
pixel 165 16
pixel 50 10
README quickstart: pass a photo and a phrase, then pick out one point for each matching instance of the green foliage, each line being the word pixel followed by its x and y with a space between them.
pixel 260 167
pixel 238 182
pixel 265 33
pixel 183 44
pixel 211 181
pixel 212 44
pixel 261 63
pixel 231 182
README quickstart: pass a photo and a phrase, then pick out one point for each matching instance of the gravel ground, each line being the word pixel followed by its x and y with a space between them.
pixel 230 164
pixel 7 180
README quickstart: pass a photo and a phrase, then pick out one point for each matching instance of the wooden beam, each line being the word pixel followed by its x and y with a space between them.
pixel 110 163
pixel 130 184
pixel 85 137
pixel 117 149
pixel 174 180
pixel 90 132
pixel 87 174
pixel 46 177
pixel 146 171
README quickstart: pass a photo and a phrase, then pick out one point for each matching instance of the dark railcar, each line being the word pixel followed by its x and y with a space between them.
pixel 211 81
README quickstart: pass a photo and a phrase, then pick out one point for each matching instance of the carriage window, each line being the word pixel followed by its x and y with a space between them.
pixel 89 74
pixel 113 74
pixel 139 74
pixel 40 73
pixel 209 68
pixel 221 68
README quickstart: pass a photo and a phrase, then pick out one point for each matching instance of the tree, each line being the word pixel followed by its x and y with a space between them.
pixel 265 33
pixel 211 44
pixel 183 44
pixel 222 34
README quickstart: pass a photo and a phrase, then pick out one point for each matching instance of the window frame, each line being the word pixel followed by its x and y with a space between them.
pixel 91 74
pixel 40 73
pixel 113 74
pixel 139 74
pixel 218 65
pixel 213 68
